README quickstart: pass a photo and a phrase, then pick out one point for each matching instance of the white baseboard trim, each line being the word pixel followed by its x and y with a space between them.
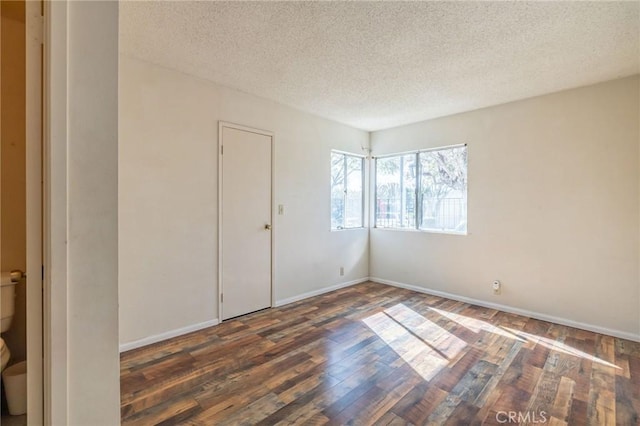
pixel 512 310
pixel 319 292
pixel 166 335
pixel 195 327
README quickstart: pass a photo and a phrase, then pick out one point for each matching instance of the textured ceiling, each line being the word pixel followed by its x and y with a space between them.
pixel 375 65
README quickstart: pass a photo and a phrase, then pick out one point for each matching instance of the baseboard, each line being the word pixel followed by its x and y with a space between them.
pixel 195 327
pixel 319 292
pixel 167 335
pixel 512 310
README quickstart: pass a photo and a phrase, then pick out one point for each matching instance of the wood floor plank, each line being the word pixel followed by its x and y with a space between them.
pixel 510 399
pixel 578 414
pixel 495 378
pixel 372 354
pixel 564 397
pixel 170 412
pixel 627 408
pixel 602 406
pixel 416 407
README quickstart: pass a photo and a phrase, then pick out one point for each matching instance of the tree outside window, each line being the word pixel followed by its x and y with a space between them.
pixel 423 190
pixel 347 195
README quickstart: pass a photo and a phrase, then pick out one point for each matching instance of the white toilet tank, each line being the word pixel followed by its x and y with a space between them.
pixel 7 300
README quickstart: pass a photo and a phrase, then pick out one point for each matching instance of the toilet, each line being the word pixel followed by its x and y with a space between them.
pixel 14 377
pixel 8 281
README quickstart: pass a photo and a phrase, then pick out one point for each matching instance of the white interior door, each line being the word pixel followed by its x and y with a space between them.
pixel 245 220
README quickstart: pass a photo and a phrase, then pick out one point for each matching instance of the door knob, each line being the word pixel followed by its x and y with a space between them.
pixel 267 227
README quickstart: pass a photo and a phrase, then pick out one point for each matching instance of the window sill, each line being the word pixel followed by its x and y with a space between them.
pixel 426 231
pixel 347 229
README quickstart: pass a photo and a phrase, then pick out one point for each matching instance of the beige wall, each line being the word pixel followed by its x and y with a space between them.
pixel 13 176
pixel 168 198
pixel 553 204
pixel 553 208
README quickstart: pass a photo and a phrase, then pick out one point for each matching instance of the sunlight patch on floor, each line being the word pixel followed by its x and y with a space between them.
pixel 428 348
pixel 476 325
pixel 558 346
pixel 424 345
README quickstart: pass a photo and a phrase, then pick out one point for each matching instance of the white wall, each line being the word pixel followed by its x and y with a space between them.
pixel 552 209
pixel 82 171
pixel 168 198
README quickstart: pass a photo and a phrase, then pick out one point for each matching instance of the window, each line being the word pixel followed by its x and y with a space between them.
pixel 424 190
pixel 395 191
pixel 347 196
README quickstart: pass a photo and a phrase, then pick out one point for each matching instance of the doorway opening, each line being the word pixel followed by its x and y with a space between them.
pixel 21 212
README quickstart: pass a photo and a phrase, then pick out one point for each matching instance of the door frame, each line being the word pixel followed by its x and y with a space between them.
pixel 55 213
pixel 229 125
pixel 34 78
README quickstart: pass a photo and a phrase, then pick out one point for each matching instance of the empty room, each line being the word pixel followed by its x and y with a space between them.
pixel 390 213
pixel 437 203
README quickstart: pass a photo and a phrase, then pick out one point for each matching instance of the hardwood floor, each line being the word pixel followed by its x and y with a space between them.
pixel 374 354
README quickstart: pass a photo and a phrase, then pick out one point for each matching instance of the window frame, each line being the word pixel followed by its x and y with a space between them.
pixel 418 204
pixel 362 159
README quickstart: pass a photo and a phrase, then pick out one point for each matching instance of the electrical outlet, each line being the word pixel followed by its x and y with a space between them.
pixel 342 271
pixel 497 287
